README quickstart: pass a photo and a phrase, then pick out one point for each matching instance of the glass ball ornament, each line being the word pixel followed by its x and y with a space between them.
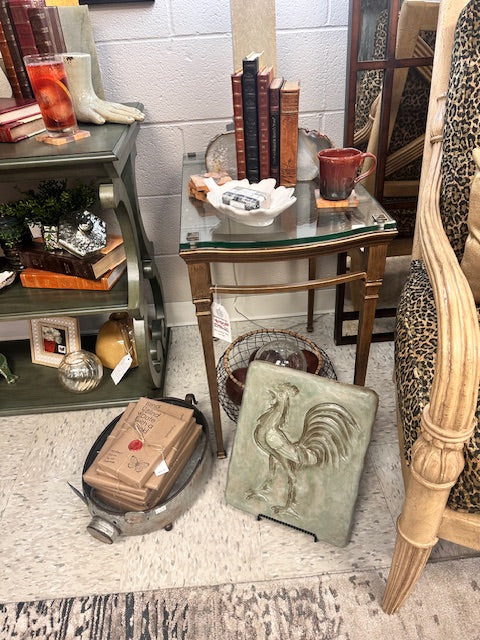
pixel 80 371
pixel 284 352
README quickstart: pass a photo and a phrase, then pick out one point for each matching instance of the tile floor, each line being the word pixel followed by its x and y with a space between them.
pixel 47 551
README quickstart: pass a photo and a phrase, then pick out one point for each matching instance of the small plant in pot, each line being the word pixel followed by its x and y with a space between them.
pixel 14 232
pixel 52 203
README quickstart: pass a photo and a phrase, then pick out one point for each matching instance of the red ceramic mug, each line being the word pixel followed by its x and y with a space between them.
pixel 338 171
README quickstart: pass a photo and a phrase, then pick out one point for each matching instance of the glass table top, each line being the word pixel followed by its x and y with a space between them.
pixel 202 226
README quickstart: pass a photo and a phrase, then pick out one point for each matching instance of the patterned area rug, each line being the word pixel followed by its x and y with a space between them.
pixel 328 607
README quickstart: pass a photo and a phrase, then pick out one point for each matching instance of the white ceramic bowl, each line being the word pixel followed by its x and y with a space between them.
pixel 280 199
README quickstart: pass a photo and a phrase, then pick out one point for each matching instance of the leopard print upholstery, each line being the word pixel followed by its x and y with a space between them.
pixel 416 324
pixel 462 127
pixel 415 347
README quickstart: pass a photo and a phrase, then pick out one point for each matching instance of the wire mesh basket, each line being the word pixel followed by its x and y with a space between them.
pixel 232 365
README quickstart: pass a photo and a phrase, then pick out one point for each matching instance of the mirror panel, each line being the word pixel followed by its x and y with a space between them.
pixel 373 22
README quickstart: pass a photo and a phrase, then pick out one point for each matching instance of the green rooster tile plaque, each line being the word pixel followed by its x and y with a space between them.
pixel 299 450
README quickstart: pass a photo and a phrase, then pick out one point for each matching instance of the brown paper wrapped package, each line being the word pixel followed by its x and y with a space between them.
pixel 153 431
pixel 120 500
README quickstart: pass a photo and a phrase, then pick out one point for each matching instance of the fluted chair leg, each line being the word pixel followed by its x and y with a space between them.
pixel 407 565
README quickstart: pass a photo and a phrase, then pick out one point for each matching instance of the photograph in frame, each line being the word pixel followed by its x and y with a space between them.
pixel 51 338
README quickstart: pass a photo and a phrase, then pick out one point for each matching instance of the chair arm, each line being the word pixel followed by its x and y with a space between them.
pixel 448 420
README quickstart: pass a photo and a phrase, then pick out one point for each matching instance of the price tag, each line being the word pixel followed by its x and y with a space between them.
pixel 221 327
pixel 161 469
pixel 121 369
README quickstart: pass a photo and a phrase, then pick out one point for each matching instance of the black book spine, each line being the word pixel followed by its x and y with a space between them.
pixel 250 118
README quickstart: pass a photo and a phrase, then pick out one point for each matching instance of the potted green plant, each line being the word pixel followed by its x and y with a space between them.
pixel 14 231
pixel 52 202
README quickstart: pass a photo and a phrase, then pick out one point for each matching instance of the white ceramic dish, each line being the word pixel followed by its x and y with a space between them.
pixel 6 278
pixel 280 199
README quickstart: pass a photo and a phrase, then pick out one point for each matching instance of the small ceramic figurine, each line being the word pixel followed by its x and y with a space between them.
pixel 5 371
pixel 87 105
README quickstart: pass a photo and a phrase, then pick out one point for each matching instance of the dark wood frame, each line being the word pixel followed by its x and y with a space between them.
pixel 389 64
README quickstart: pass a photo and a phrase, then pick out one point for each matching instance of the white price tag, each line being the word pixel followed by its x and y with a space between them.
pixel 221 327
pixel 121 369
pixel 161 469
pixel 161 509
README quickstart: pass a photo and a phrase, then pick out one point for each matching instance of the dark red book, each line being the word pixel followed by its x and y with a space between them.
pixel 47 30
pixel 9 66
pixel 274 123
pixel 264 78
pixel 90 267
pixel 18 10
pixel 21 129
pixel 238 123
pixel 12 109
pixel 14 49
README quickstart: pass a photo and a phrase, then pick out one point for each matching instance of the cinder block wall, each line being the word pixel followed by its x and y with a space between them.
pixel 175 56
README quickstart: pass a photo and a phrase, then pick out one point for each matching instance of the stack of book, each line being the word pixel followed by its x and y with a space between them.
pixel 62 270
pixel 265 113
pixel 27 27
pixel 20 118
pixel 143 456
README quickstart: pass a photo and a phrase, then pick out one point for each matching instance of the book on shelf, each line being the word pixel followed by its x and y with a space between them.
pixel 41 279
pixel 90 267
pixel 236 79
pixel 8 64
pixel 47 30
pixel 12 109
pixel 274 127
pixel 289 106
pixel 21 24
pixel 21 129
pixel 251 65
pixel 264 78
pixel 14 49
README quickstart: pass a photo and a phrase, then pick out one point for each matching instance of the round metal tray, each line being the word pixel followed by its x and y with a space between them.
pixel 108 523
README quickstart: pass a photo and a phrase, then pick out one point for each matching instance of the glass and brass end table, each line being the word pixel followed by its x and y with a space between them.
pixel 300 232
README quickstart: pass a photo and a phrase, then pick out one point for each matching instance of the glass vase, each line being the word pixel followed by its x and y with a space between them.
pixel 80 371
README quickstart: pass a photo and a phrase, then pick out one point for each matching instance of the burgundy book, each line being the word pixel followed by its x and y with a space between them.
pixel 21 129
pixel 264 78
pixel 14 50
pixel 47 30
pixel 18 10
pixel 289 106
pixel 9 66
pixel 238 123
pixel 90 267
pixel 12 109
pixel 274 123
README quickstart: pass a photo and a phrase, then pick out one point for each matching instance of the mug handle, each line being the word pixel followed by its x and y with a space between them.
pixel 365 174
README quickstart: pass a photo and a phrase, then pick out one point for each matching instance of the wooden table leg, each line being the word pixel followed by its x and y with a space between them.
pixel 376 259
pixel 312 274
pixel 200 282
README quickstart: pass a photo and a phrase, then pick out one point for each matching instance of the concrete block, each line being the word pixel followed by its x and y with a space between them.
pixel 200 16
pixel 177 80
pixel 301 14
pixel 125 22
pixel 321 67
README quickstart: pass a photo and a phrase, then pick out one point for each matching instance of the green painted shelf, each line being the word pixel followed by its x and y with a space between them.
pixel 28 394
pixel 108 158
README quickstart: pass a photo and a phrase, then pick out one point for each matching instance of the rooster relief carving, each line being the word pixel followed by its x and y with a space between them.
pixel 326 439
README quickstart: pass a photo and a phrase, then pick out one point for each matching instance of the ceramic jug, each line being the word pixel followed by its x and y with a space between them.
pixel 115 339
